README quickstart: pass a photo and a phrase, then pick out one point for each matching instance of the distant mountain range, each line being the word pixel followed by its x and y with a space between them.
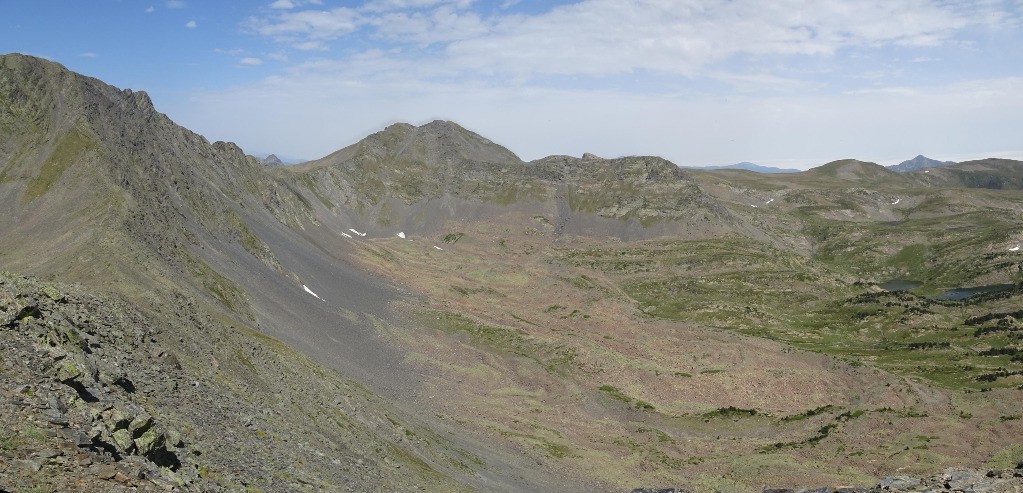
pixel 748 166
pixel 919 162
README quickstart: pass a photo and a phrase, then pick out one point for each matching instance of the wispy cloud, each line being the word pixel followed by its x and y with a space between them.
pixel 175 4
pixel 150 9
pixel 88 54
pixel 307 26
pixel 251 61
pixel 191 25
pixel 609 37
pixel 682 78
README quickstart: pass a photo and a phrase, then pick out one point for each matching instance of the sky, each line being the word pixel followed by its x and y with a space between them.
pixel 700 82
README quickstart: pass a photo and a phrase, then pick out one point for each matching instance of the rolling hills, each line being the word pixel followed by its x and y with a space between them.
pixel 424 309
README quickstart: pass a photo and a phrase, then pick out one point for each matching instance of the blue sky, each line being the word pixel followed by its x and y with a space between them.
pixel 700 82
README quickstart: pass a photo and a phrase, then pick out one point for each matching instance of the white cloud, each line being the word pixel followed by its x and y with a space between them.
pixel 176 4
pixel 389 5
pixel 310 46
pixel 191 25
pixel 972 118
pixel 150 9
pixel 282 4
pixel 250 61
pixel 307 25
pixel 608 37
pixel 88 54
pixel 697 81
pixel 441 25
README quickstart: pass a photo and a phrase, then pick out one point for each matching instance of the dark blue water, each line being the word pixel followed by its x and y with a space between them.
pixel 963 293
pixel 954 294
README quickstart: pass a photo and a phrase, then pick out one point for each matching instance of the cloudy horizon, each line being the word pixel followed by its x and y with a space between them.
pixel 699 82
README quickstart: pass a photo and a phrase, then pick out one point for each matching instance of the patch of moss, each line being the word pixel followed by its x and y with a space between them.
pixel 68 150
pixel 452 237
pixel 729 412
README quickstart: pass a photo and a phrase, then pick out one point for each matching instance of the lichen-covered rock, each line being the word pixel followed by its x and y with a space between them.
pixel 122 439
pixel 148 442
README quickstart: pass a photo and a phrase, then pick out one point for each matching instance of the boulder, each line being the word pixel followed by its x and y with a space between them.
pixel 148 442
pixel 123 441
pixel 896 483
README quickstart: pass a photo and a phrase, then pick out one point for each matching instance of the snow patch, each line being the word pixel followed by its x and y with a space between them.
pixel 927 171
pixel 1014 249
pixel 346 235
pixel 897 201
pixel 401 235
pixel 306 288
pixel 437 247
pixel 753 206
pixel 356 232
pixel 769 201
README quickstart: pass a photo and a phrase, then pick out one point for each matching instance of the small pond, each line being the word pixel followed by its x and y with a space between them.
pixel 954 294
pixel 963 293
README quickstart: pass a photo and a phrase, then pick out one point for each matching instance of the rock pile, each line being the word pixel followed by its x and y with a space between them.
pixel 71 404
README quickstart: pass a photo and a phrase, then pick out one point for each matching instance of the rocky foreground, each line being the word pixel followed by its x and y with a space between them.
pixel 96 396
pixel 71 416
pixel 93 400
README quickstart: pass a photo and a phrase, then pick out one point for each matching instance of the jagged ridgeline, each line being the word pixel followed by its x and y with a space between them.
pixel 423 309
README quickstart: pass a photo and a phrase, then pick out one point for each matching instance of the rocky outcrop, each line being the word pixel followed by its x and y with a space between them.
pixel 71 402
pixel 101 394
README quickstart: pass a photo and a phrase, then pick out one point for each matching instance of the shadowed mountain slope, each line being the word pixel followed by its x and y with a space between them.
pixel 997 174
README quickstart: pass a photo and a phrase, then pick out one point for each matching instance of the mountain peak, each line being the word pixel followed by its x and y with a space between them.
pixel 919 162
pixel 748 166
pixel 272 160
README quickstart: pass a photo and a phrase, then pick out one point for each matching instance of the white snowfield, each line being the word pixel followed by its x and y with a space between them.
pixel 356 232
pixel 401 235
pixel 306 288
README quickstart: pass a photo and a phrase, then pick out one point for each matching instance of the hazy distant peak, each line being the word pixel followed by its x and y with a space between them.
pixel 272 160
pixel 919 162
pixel 748 166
